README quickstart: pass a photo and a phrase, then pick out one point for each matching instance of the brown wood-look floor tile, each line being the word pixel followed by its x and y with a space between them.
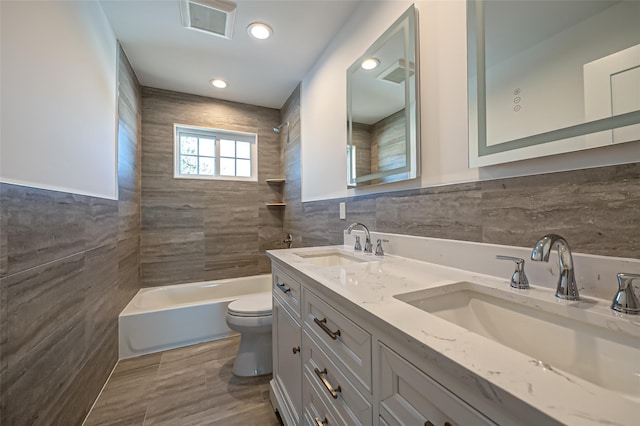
pixel 202 353
pixel 187 386
pixel 133 371
pixel 123 400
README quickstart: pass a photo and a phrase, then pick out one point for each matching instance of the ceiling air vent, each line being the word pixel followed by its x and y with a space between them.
pixel 210 16
pixel 396 72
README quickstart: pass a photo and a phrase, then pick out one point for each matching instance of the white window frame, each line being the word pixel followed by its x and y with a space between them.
pixel 215 134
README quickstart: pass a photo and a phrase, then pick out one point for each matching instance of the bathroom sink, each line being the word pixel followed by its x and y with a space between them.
pixel 330 258
pixel 557 337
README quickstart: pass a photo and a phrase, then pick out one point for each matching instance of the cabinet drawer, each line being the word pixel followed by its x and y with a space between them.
pixel 345 341
pixel 410 397
pixel 346 400
pixel 316 411
pixel 288 290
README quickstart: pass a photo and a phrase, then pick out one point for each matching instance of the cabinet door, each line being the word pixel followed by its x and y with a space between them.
pixel 410 397
pixel 287 360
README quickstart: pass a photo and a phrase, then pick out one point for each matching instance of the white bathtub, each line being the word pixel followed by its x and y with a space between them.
pixel 160 318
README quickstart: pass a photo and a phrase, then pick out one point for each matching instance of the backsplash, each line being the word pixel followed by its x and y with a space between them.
pixel 595 275
pixel 596 210
pixel 69 265
pixel 197 229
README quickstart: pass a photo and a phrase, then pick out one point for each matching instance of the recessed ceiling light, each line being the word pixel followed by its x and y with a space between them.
pixel 370 63
pixel 259 30
pixel 220 84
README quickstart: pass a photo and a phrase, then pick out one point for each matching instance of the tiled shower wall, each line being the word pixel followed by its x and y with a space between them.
pixel 196 229
pixel 68 266
pixel 596 210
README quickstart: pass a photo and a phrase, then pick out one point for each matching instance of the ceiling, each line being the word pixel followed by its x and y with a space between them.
pixel 168 56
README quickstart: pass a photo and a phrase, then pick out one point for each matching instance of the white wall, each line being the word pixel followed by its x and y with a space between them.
pixel 443 92
pixel 58 107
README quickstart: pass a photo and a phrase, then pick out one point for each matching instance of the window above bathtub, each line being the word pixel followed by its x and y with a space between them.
pixel 205 153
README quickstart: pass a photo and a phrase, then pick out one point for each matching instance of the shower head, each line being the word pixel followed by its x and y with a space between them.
pixel 276 130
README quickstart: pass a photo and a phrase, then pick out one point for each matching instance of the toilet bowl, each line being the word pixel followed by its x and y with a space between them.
pixel 251 317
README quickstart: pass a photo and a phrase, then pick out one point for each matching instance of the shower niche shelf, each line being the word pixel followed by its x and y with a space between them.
pixel 276 182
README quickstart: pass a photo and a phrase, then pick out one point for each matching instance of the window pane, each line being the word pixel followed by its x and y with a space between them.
pixel 227 167
pixel 227 148
pixel 207 166
pixel 188 165
pixel 244 168
pixel 207 147
pixel 189 145
pixel 243 149
pixel 212 153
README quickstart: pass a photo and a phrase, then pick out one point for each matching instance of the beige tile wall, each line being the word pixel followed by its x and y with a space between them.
pixel 195 230
pixel 69 266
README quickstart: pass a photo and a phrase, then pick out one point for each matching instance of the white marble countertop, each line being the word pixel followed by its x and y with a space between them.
pixel 561 396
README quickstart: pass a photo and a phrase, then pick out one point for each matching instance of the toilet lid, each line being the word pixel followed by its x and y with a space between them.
pixel 252 305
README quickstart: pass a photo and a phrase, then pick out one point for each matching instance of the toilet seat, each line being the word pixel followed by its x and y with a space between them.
pixel 253 305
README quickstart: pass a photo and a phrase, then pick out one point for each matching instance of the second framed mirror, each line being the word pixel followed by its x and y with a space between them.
pixel 383 108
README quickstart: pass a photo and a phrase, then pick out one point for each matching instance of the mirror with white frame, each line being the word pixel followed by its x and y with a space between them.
pixel 549 77
pixel 383 108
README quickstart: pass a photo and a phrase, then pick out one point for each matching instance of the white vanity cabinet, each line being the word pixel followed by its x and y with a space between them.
pixel 286 386
pixel 348 371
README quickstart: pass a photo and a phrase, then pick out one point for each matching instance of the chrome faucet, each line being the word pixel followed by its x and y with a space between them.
pixel 626 300
pixel 367 243
pixel 567 287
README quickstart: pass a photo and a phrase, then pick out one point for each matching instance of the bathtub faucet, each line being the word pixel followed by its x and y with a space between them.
pixel 288 241
pixel 367 243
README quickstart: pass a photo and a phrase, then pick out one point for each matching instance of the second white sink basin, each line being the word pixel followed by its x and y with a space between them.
pixel 555 336
pixel 330 258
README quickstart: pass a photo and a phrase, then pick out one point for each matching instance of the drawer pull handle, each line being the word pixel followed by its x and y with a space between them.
pixel 323 325
pixel 283 287
pixel 296 349
pixel 428 423
pixel 325 382
pixel 321 422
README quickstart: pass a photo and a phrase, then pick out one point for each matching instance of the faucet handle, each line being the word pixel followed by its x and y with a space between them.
pixel 357 246
pixel 519 278
pixel 379 250
pixel 625 300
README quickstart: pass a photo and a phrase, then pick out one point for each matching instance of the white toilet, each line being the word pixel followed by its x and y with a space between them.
pixel 251 317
